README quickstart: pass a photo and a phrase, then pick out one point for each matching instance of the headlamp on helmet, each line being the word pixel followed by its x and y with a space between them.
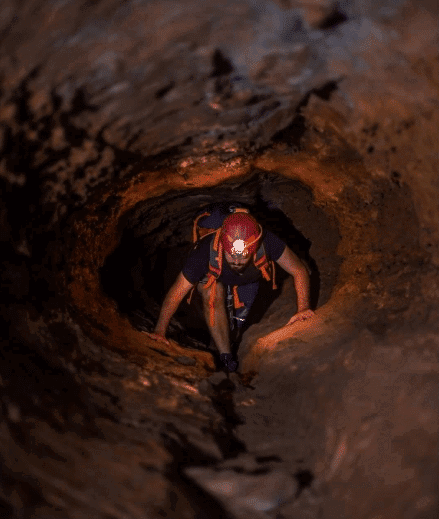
pixel 240 234
pixel 238 248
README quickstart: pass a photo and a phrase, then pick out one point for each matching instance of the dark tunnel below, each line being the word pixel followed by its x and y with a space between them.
pixel 157 238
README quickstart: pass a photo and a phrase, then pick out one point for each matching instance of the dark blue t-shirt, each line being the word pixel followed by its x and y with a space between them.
pixel 197 264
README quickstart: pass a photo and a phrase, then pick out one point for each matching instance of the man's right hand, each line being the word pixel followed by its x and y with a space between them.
pixel 158 337
pixel 172 299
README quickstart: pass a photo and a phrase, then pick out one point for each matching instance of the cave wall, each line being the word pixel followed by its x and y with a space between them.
pixel 107 109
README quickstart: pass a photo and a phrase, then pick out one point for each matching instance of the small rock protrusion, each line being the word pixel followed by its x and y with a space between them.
pixel 246 493
pixel 186 361
pixel 205 388
pixel 14 413
pixel 217 378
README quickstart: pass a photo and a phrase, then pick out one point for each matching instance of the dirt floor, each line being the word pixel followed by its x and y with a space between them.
pixel 118 124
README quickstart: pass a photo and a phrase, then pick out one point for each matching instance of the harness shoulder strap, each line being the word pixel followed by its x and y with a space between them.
pixel 215 256
pixel 215 267
pixel 195 231
pixel 264 265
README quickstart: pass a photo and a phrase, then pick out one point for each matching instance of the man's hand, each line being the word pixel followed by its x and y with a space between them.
pixel 158 337
pixel 301 316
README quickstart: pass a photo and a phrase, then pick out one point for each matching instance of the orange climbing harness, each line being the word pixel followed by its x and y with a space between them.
pixel 215 265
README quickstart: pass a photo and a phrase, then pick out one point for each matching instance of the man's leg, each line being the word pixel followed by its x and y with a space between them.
pixel 247 295
pixel 220 329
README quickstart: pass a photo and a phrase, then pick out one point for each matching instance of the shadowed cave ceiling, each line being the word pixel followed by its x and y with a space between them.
pixel 119 121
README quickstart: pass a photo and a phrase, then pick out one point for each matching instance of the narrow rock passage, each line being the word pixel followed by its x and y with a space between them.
pixel 118 122
pixel 293 417
pixel 288 416
pixel 158 237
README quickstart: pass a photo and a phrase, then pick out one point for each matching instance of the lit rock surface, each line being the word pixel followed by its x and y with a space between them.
pixel 118 122
pixel 247 495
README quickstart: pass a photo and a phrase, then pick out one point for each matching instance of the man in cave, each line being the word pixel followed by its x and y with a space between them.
pixel 227 265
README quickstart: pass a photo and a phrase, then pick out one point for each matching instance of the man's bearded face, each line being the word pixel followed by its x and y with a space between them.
pixel 239 256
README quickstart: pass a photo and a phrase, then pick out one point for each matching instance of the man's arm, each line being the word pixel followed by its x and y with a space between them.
pixel 292 264
pixel 172 301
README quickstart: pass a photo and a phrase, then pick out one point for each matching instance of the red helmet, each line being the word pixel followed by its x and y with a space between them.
pixel 240 233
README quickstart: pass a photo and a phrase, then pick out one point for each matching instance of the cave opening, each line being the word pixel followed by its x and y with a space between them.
pixel 157 238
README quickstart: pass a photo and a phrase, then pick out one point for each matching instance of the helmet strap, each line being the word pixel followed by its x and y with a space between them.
pixel 256 239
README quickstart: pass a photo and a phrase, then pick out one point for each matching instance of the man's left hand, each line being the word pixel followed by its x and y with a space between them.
pixel 157 337
pixel 301 316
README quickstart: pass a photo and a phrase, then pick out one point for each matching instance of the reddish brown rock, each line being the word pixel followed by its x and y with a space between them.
pixel 118 123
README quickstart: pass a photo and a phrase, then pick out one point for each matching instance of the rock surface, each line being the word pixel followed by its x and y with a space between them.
pixel 247 495
pixel 118 122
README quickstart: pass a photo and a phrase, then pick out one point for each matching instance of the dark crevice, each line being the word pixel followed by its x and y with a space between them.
pixel 163 91
pixel 185 455
pixel 80 104
pixel 22 97
pixel 268 459
pixel 335 18
pixel 76 136
pixel 224 434
pixel 304 479
pixel 23 156
pixel 294 132
pixel 325 91
pixel 53 385
pixel 161 352
pixel 396 178
pixel 19 484
pixel 222 66
pixel 6 510
pixel 257 99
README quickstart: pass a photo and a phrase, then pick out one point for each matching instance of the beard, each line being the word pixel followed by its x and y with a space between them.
pixel 238 268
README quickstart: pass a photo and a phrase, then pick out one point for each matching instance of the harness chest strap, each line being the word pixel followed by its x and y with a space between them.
pixel 195 238
pixel 262 265
pixel 213 276
pixel 214 273
pixel 236 302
